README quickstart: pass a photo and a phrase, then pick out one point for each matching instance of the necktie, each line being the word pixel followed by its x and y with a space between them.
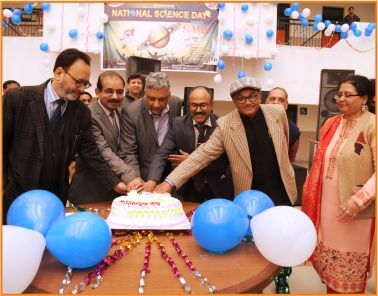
pixel 114 121
pixel 57 114
pixel 199 180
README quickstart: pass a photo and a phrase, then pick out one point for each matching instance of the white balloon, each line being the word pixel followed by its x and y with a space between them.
pixel 105 18
pixel 251 20
pixel 248 54
pixel 22 253
pixel 284 235
pixel 328 32
pixel 7 12
pixel 225 49
pixel 321 26
pixel 269 18
pixel 273 51
pixel 295 14
pixel 331 27
pixel 306 12
pixel 270 83
pixel 345 28
pixel 221 18
pixel 218 79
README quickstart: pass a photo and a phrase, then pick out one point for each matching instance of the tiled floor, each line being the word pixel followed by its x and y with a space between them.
pixel 304 280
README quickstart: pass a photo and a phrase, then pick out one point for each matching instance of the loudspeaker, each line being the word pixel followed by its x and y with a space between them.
pixel 187 90
pixel 142 66
pixel 329 81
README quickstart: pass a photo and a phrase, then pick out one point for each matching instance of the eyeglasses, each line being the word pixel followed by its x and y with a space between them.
pixel 339 96
pixel 80 83
pixel 110 92
pixel 251 98
pixel 201 105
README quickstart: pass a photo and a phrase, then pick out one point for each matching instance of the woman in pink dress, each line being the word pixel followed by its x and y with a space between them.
pixel 339 192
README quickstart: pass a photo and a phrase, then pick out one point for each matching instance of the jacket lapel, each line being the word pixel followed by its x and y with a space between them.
pixel 38 112
pixel 189 134
pixel 106 122
pixel 147 117
pixel 273 130
pixel 239 138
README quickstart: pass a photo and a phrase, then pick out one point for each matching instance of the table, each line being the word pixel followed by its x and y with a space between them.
pixel 242 269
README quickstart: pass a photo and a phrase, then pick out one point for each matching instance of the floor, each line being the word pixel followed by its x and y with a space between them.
pixel 304 280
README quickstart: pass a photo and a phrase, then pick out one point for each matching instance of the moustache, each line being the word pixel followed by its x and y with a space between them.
pixel 200 113
pixel 114 101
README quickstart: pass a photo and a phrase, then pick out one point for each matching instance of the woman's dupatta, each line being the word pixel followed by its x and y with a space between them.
pixel 312 188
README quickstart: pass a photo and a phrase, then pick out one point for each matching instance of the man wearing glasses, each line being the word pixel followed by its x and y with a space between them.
pixel 255 138
pixel 145 122
pixel 186 134
pixel 44 127
pixel 106 114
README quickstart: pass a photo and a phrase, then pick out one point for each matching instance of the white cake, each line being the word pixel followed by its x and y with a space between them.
pixel 147 211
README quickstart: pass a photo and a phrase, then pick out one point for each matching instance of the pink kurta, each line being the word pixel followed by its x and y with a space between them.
pixel 341 257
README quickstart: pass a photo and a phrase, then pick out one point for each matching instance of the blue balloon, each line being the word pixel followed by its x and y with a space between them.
pixel 15 19
pixel 248 38
pixel 327 23
pixel 318 18
pixel 28 8
pixel 304 23
pixel 221 64
pixel 45 6
pixel 227 34
pixel 369 30
pixel 244 7
pixel 253 202
pixel 36 209
pixel 295 6
pixel 301 17
pixel 353 26
pixel 72 33
pixel 372 25
pixel 241 74
pixel 269 33
pixel 357 33
pixel 315 27
pixel 288 11
pixel 99 35
pixel 219 225
pixel 344 35
pixel 80 240
pixel 337 28
pixel 221 5
pixel 267 66
pixel 44 47
pixel 367 33
pixel 3 24
pixel 17 11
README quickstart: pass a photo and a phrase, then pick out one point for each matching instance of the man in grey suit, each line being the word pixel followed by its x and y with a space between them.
pixel 186 134
pixel 145 122
pixel 86 186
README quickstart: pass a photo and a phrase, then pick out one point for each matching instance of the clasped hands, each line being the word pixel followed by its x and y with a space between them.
pixel 350 208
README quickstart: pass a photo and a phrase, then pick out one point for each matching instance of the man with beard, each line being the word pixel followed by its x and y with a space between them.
pixel 186 134
pixel 135 83
pixel 86 186
pixel 44 127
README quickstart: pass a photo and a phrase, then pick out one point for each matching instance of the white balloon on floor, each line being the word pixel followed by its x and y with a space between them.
pixel 284 235
pixel 22 253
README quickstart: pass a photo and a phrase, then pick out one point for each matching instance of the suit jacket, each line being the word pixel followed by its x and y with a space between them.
pixel 86 186
pixel 181 136
pixel 230 137
pixel 24 137
pixel 138 135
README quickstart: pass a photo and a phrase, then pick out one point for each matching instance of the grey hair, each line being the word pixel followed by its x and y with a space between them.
pixel 157 80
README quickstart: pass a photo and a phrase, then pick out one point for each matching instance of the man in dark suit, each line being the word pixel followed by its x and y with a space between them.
pixel 184 136
pixel 86 186
pixel 145 122
pixel 45 126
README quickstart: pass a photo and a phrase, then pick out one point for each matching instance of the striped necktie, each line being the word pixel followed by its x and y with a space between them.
pixel 57 114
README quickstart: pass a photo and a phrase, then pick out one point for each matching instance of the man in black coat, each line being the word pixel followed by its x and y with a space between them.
pixel 44 127
pixel 184 136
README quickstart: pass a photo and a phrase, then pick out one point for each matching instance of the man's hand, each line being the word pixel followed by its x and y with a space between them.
pixel 121 188
pixel 164 187
pixel 176 159
pixel 136 184
pixel 150 185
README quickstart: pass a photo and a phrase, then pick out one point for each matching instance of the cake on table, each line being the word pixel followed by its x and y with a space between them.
pixel 147 211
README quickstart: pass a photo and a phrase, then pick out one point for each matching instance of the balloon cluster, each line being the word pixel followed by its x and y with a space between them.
pixel 37 219
pixel 282 234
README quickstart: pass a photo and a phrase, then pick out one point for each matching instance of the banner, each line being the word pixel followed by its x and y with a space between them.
pixel 183 36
